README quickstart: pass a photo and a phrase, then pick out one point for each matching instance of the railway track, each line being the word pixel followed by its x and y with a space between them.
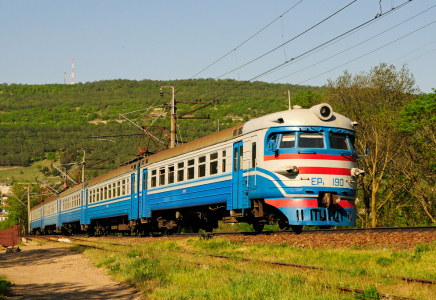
pixel 342 288
pixel 418 229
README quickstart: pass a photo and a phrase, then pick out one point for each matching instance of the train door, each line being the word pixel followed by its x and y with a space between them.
pixel 42 218
pixel 58 213
pixel 133 198
pixel 145 211
pixel 84 217
pixel 239 184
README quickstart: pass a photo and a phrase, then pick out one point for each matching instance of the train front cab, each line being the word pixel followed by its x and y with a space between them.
pixel 310 175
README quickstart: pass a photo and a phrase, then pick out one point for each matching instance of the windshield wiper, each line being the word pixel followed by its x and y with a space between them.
pixel 319 131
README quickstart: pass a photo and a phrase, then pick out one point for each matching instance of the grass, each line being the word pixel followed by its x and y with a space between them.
pixel 161 271
pixel 5 287
pixel 23 173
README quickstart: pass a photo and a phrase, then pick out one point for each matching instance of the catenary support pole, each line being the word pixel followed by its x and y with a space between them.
pixel 173 117
pixel 28 209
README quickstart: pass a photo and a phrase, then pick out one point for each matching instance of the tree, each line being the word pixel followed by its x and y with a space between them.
pixel 17 206
pixel 418 125
pixel 374 99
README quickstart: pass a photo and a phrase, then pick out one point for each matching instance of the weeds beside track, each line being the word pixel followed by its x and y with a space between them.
pixel 133 247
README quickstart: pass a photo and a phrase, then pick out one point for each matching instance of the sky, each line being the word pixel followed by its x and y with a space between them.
pixel 162 40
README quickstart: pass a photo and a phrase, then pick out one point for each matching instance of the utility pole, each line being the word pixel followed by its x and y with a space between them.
pixel 173 116
pixel 29 218
pixel 289 97
pixel 83 165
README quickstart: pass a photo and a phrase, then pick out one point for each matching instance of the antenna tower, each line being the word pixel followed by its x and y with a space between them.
pixel 72 72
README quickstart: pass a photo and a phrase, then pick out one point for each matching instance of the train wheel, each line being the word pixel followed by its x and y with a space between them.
pixel 325 227
pixel 297 228
pixel 90 231
pixel 258 227
pixel 284 226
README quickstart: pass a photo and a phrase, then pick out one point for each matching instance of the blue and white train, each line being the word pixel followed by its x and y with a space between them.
pixel 294 168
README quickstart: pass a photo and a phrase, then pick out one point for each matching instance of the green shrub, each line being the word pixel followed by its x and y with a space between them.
pixel 384 261
pixel 370 293
pixel 5 287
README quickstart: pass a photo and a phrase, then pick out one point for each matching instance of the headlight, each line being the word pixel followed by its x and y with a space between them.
pixel 322 111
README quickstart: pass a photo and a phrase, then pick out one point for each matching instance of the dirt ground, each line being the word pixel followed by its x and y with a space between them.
pixel 53 272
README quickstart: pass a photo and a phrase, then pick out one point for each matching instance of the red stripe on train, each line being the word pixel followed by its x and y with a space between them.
pixel 306 203
pixel 324 171
pixel 309 156
pixel 292 202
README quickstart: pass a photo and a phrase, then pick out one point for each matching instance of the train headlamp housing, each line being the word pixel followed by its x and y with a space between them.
pixel 323 111
pixel 357 172
pixel 289 170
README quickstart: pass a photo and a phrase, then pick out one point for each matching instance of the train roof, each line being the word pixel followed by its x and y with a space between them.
pixel 297 117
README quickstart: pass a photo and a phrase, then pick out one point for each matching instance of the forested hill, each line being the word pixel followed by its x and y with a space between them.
pixel 37 120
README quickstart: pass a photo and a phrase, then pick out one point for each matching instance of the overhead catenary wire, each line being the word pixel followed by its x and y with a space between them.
pixel 311 50
pixel 412 52
pixel 225 55
pixel 325 43
pixel 419 56
pixel 352 46
pixel 295 37
pixel 385 45
pixel 333 42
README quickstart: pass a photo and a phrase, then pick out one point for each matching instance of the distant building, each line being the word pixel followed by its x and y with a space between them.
pixel 5 190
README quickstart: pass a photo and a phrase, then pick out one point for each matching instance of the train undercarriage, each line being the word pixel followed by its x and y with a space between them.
pixel 190 219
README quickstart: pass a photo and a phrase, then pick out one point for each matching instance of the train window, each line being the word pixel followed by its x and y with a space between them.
pixel 213 163
pixel 190 172
pixel 202 170
pixel 123 187
pixel 351 138
pixel 224 161
pixel 105 193
pixel 98 197
pixel 180 172
pixel 162 177
pixel 114 190
pixel 128 186
pixel 101 194
pixel 253 155
pixel 118 189
pixel 235 159
pixel 288 140
pixel 110 191
pixel 153 178
pixel 338 141
pixel 241 158
pixel 272 140
pixel 311 140
pixel 180 175
pixel 170 174
pixel 202 166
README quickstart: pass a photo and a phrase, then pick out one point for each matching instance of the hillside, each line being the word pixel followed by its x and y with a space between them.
pixel 55 119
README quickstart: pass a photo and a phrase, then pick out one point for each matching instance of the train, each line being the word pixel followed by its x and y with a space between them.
pixel 292 168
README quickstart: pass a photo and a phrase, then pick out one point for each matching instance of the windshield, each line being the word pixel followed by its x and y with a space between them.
pixel 339 141
pixel 288 140
pixel 311 140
